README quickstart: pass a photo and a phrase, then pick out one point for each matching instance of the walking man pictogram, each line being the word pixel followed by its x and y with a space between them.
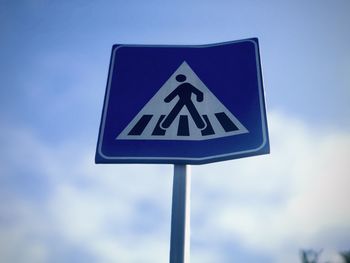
pixel 184 91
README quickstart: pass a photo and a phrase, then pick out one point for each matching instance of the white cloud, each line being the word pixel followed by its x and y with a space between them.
pixel 269 206
pixel 293 198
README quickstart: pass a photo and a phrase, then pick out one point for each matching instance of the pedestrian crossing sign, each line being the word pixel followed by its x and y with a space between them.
pixel 182 112
pixel 183 104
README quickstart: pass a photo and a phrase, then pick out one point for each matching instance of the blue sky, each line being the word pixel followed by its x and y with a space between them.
pixel 58 206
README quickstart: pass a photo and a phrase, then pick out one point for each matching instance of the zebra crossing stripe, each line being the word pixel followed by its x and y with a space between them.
pixel 209 128
pixel 140 125
pixel 226 122
pixel 159 130
pixel 183 129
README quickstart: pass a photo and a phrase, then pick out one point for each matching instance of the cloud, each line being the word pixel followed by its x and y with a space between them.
pixel 296 197
pixel 106 212
pixel 58 204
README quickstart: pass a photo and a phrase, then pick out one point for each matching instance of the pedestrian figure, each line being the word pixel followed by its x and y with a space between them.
pixel 184 91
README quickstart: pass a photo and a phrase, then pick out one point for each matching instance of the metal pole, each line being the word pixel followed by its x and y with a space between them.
pixel 180 215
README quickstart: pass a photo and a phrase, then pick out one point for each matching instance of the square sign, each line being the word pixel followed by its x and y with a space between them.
pixel 183 104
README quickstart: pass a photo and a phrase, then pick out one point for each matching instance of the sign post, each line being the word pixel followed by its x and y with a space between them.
pixel 180 215
pixel 183 105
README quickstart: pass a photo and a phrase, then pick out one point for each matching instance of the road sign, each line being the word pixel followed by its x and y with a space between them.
pixel 183 104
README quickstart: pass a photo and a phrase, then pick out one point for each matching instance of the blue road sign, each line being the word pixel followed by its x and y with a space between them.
pixel 183 104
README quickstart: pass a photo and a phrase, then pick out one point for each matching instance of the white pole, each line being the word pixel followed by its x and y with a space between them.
pixel 180 215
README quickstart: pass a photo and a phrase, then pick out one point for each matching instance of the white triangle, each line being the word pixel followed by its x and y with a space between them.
pixel 157 107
